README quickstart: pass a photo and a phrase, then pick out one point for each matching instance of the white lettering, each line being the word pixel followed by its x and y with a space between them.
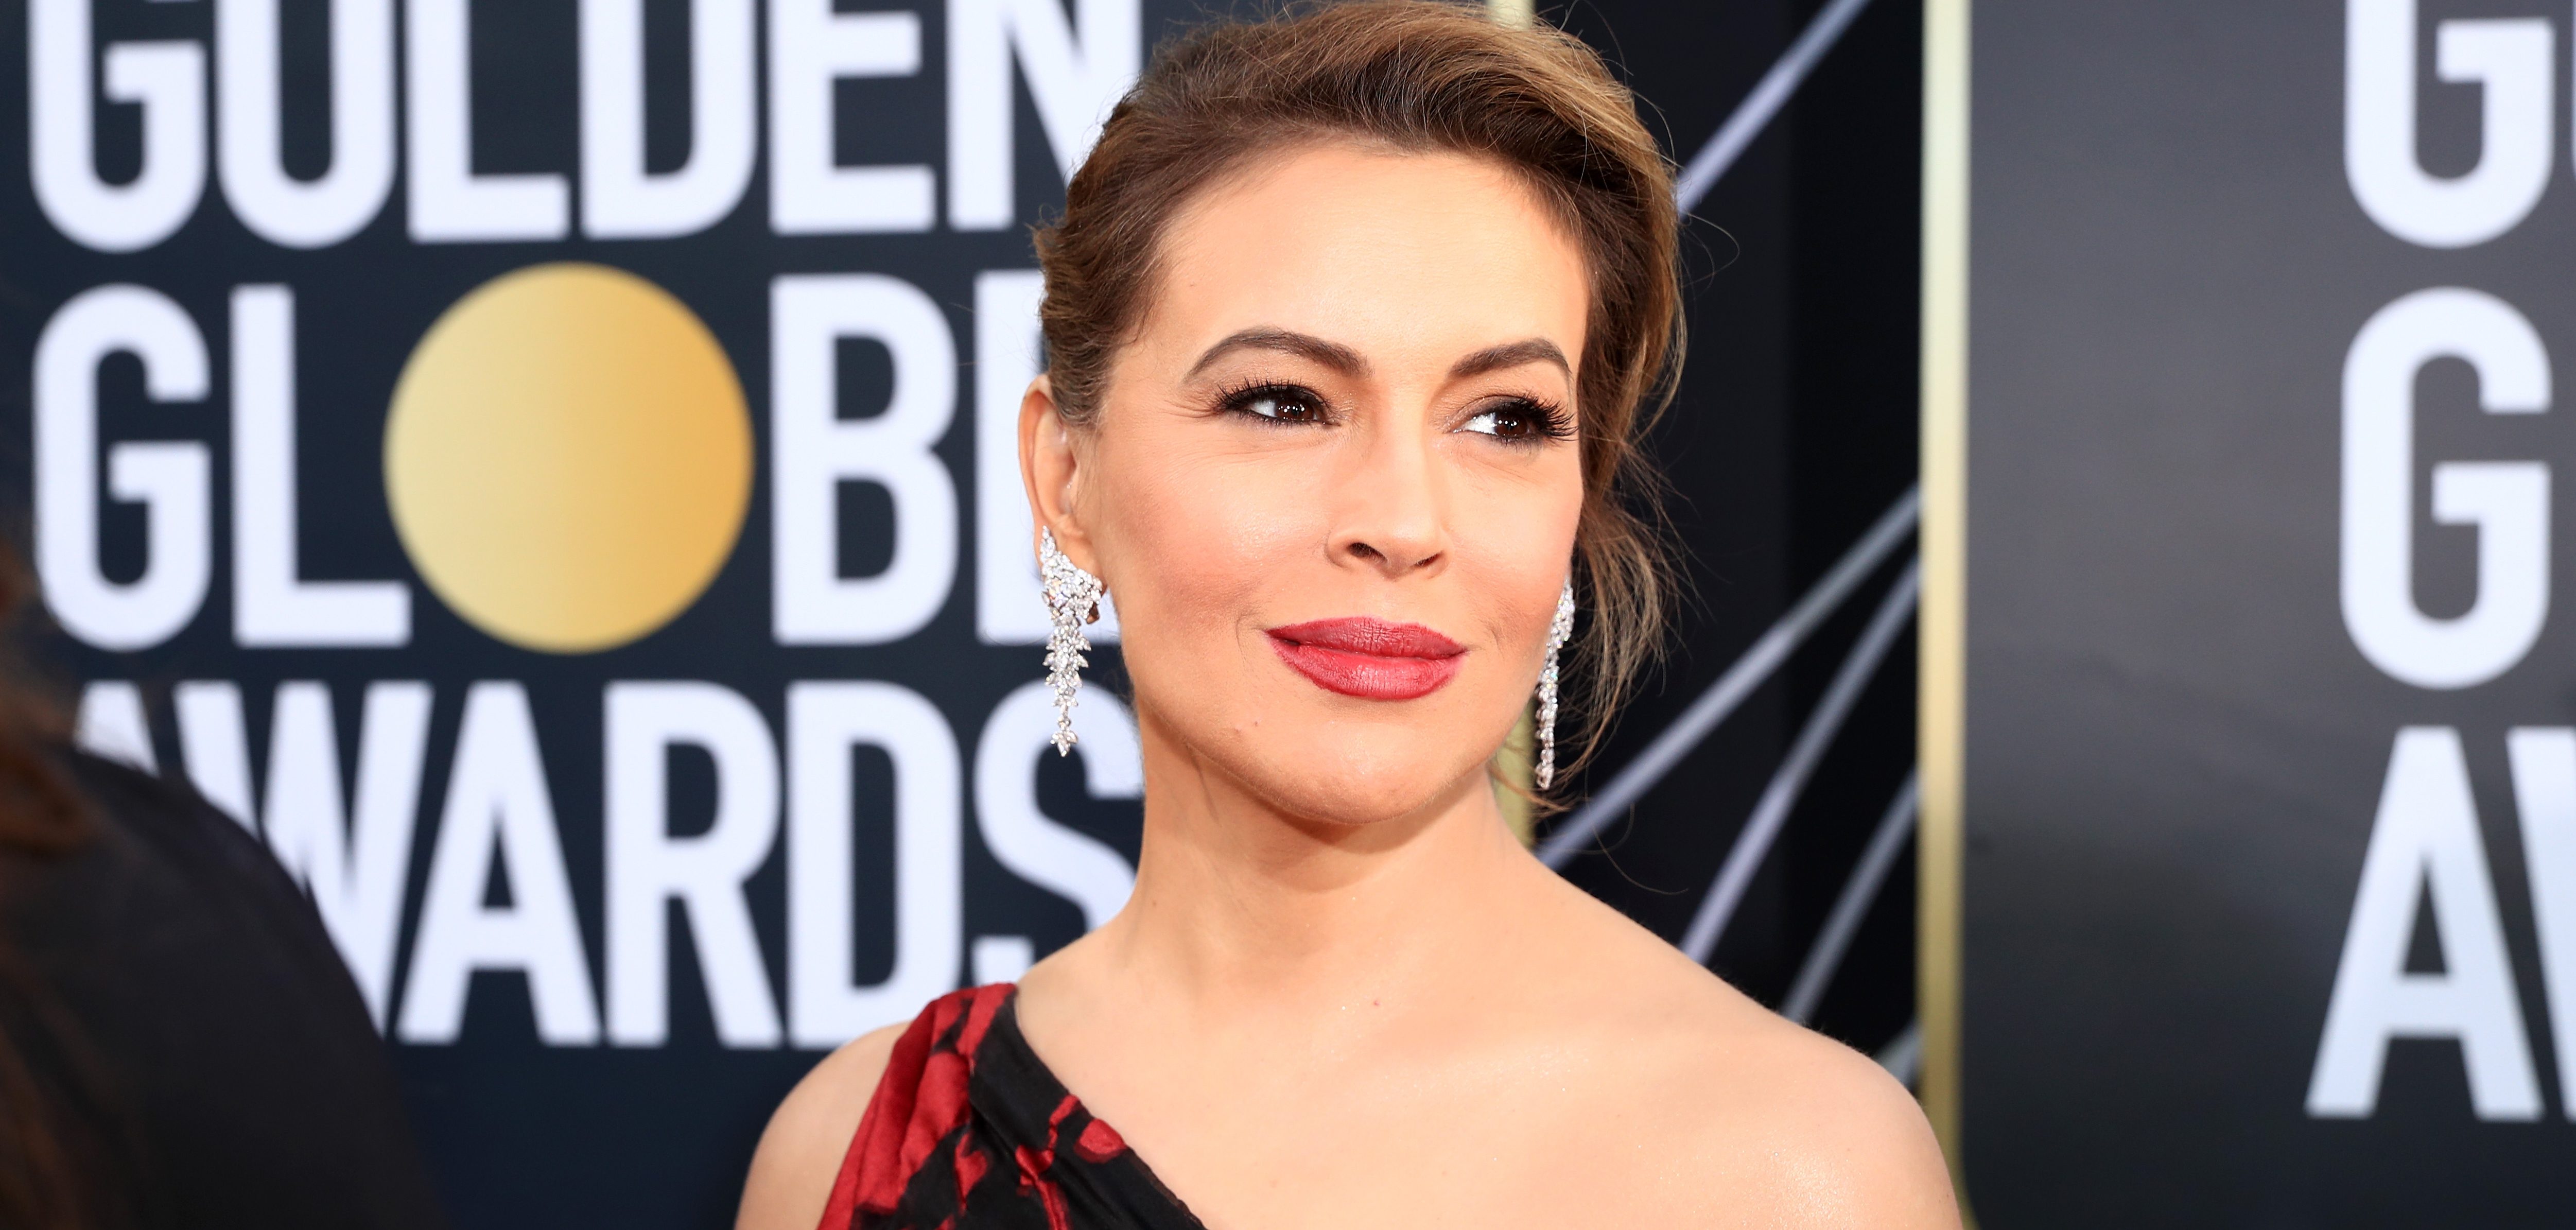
pixel 167 79
pixel 497 803
pixel 214 746
pixel 2507 501
pixel 111 724
pixel 810 193
pixel 1001 958
pixel 276 206
pixel 2510 61
pixel 648 867
pixel 272 606
pixel 1036 848
pixel 449 202
pixel 2424 842
pixel 2544 791
pixel 354 870
pixel 814 450
pixel 619 199
pixel 824 721
pixel 1074 83
pixel 169 478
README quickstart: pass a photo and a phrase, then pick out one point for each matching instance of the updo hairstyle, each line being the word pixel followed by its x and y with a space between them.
pixel 1413 76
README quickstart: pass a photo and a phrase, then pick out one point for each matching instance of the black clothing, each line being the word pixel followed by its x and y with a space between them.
pixel 192 1030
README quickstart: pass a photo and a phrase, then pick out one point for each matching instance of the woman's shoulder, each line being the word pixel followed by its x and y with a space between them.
pixel 1758 1104
pixel 891 1074
pixel 1748 1105
pixel 801 1150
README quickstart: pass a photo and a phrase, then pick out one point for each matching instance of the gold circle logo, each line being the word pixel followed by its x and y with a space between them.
pixel 568 457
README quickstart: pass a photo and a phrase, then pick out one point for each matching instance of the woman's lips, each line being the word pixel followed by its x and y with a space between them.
pixel 1369 658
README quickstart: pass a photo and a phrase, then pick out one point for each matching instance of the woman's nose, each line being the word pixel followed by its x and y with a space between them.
pixel 1393 514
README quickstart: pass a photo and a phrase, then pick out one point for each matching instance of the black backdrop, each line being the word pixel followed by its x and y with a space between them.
pixel 2260 741
pixel 1793 431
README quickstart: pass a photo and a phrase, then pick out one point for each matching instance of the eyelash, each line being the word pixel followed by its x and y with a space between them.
pixel 1550 420
pixel 1239 400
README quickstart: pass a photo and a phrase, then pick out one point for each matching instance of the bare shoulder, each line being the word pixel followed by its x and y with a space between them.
pixel 801 1150
pixel 1822 1134
pixel 1759 1119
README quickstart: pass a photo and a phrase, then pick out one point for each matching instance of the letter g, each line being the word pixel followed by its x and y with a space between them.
pixel 2507 501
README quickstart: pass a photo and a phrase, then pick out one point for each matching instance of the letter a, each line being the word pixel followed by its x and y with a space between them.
pixel 2425 837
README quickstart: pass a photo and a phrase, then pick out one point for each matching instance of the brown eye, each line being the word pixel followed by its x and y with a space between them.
pixel 1519 421
pixel 1271 406
pixel 1278 404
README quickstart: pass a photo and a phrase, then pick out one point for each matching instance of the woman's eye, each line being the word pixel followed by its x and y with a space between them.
pixel 1279 405
pixel 1516 421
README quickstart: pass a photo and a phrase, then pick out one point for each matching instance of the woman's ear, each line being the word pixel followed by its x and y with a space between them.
pixel 1050 469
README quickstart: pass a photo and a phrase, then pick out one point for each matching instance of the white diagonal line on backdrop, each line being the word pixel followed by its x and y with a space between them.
pixel 1763 657
pixel 1903 1054
pixel 1852 906
pixel 1778 798
pixel 1768 96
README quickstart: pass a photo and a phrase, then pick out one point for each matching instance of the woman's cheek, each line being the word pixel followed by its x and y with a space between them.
pixel 1520 535
pixel 1177 576
pixel 1225 528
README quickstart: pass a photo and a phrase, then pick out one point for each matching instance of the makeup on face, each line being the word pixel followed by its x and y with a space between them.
pixel 1371 659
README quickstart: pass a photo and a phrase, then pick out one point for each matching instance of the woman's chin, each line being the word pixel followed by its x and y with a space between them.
pixel 1361 787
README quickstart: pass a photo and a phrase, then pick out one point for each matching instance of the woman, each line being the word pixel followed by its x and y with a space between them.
pixel 1350 317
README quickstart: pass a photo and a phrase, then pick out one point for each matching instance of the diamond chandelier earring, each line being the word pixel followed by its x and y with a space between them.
pixel 1559 630
pixel 1072 600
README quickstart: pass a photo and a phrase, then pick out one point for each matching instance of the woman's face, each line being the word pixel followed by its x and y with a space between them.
pixel 1334 480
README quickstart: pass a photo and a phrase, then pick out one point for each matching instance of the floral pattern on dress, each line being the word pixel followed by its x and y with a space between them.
pixel 967 1130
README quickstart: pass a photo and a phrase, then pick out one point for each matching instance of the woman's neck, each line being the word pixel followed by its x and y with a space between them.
pixel 1240 905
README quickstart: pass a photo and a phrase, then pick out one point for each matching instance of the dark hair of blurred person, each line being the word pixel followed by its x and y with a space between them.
pixel 179 1043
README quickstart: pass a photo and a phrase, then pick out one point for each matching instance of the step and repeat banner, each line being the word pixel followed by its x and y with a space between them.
pixel 2270 725
pixel 549 470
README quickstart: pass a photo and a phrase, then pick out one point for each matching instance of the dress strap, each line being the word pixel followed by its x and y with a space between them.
pixel 968 1130
pixel 919 1102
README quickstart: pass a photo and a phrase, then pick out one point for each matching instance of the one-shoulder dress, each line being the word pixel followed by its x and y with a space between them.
pixel 969 1131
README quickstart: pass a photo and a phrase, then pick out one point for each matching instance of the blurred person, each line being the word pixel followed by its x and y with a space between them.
pixel 1353 320
pixel 180 1045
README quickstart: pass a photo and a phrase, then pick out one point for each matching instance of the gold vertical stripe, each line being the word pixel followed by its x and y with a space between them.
pixel 1513 12
pixel 1940 737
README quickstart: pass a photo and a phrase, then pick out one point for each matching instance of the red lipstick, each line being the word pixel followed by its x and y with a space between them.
pixel 1369 658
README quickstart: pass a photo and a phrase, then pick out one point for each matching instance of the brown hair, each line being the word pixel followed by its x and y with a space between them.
pixel 1415 75
pixel 49 1175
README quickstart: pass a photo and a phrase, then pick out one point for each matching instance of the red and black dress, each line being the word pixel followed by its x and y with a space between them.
pixel 969 1131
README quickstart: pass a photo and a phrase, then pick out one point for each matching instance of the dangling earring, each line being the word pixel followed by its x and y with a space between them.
pixel 1072 600
pixel 1558 630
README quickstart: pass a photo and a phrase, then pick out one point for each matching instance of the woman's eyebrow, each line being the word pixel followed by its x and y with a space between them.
pixel 1511 354
pixel 1334 355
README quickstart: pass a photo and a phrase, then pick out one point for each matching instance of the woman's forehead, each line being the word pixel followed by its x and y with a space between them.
pixel 1371 249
